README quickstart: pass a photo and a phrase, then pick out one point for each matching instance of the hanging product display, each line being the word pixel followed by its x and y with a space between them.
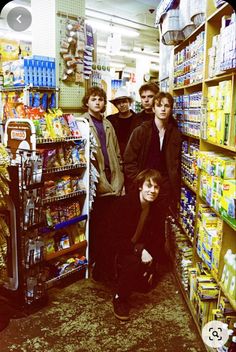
pixel 76 50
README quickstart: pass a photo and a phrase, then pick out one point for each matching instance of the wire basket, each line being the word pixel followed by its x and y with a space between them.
pixel 172 37
pixel 198 19
pixel 187 30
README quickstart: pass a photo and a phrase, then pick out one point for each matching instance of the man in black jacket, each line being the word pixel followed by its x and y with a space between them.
pixel 133 240
pixel 156 144
pixel 124 121
pixel 147 92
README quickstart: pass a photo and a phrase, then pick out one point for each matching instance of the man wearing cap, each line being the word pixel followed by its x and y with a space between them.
pixel 125 120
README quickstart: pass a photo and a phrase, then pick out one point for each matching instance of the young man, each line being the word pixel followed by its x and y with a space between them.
pixel 147 92
pixel 108 164
pixel 124 121
pixel 157 144
pixel 133 240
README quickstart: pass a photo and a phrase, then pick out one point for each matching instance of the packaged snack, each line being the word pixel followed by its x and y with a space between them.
pixel 75 155
pixel 50 159
pixel 49 189
pixel 65 127
pixel 73 125
pixel 68 154
pixel 60 156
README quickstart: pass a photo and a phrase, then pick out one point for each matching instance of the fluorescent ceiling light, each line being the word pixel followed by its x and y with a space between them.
pixel 130 54
pixel 5 33
pixel 109 18
pixel 111 28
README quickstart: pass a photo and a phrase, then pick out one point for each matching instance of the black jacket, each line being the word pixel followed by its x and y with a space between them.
pixel 124 218
pixel 136 154
pixel 123 131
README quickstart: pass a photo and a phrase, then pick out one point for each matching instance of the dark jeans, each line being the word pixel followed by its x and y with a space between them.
pixel 130 278
pixel 99 237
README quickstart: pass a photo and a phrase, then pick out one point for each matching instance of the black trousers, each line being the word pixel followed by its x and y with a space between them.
pixel 100 251
pixel 130 275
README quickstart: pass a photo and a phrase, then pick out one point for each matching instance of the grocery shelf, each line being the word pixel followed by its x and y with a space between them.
pixel 61 252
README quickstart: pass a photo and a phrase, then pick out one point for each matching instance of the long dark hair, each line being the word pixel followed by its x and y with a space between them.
pixel 148 174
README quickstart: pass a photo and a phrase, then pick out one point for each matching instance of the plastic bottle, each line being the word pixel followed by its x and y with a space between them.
pixel 230 271
pixel 225 272
pixel 231 289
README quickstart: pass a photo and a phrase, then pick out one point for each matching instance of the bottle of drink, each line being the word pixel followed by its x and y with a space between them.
pixel 31 282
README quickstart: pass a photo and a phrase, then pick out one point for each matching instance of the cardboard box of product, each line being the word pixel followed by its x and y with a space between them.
pixel 228 202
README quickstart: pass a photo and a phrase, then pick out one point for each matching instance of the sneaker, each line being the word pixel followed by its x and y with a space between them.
pixel 120 309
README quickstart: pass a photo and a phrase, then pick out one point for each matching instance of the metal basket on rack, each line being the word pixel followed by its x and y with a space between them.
pixel 187 30
pixel 172 37
pixel 198 19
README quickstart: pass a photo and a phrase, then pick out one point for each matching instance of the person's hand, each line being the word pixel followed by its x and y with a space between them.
pixel 146 257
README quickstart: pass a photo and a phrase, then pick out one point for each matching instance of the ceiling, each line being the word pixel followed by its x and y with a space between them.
pixel 135 14
pixel 139 15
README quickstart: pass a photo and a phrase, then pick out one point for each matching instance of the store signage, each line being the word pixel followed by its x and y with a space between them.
pixel 19 135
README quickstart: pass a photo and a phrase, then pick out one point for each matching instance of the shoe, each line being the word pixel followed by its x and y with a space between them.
pixel 120 309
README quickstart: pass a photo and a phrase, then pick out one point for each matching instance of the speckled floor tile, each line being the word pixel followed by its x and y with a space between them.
pixel 79 318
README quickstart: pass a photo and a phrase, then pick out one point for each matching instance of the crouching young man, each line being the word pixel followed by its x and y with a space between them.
pixel 135 242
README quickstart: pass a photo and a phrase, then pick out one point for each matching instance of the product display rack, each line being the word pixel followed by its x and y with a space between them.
pixel 202 83
pixel 26 98
pixel 35 267
pixel 81 170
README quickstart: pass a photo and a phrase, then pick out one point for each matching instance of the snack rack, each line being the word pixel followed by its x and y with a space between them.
pixel 33 266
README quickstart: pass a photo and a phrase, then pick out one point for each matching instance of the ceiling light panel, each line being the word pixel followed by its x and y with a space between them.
pixel 111 28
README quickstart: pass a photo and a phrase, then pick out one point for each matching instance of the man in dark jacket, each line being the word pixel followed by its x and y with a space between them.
pixel 124 121
pixel 133 239
pixel 147 92
pixel 156 144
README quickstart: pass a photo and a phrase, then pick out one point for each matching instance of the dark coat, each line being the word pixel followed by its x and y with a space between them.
pixel 123 221
pixel 138 147
pixel 123 135
pixel 143 116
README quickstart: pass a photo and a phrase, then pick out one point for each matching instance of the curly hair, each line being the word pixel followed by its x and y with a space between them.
pixel 93 91
pixel 159 96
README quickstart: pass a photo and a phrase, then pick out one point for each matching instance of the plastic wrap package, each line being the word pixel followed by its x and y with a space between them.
pixel 171 31
pixel 186 24
pixel 197 12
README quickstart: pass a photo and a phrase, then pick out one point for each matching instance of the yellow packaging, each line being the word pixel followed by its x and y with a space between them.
pixel 211 134
pixel 212 118
pixel 220 127
pixel 226 168
pixel 224 96
pixel 192 279
pixel 209 220
pixel 205 311
pixel 9 49
pixel 228 201
pixel 212 96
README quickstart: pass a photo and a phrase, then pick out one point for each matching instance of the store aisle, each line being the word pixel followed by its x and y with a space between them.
pixel 79 318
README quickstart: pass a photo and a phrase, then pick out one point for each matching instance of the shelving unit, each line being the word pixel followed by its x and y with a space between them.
pixel 78 170
pixel 68 206
pixel 25 98
pixel 227 147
